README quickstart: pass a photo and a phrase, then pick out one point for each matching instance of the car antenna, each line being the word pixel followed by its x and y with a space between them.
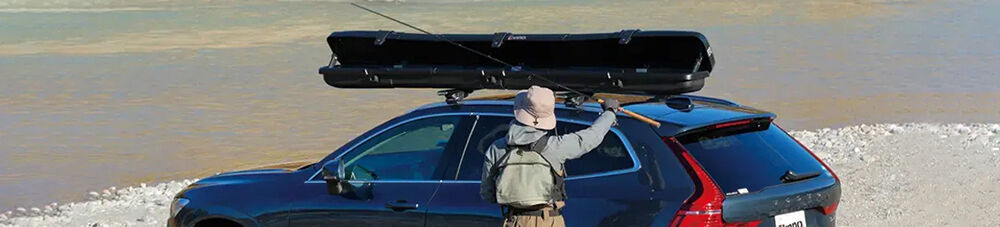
pixel 532 74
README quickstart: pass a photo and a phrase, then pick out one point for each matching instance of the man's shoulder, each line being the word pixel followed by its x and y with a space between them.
pixel 498 146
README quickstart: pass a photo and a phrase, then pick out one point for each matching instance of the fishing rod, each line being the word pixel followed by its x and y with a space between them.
pixel 652 122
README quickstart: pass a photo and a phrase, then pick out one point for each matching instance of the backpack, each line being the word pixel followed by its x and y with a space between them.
pixel 524 178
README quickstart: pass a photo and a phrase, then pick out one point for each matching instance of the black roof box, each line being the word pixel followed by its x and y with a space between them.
pixel 628 62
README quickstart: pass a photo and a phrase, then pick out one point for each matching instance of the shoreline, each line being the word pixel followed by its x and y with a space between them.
pixel 911 173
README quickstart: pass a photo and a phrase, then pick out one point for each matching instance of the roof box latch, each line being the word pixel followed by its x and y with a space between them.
pixel 382 35
pixel 499 37
pixel 333 60
pixel 625 36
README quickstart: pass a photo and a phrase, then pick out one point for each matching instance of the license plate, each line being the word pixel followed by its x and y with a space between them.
pixel 793 219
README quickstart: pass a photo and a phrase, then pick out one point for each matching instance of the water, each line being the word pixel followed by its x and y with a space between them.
pixel 97 93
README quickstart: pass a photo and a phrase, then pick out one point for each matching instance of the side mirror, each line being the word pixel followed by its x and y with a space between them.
pixel 333 174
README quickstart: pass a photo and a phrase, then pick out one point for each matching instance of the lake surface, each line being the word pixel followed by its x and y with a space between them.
pixel 98 93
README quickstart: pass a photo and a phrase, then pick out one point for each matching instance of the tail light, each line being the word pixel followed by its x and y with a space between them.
pixel 731 124
pixel 704 208
pixel 827 210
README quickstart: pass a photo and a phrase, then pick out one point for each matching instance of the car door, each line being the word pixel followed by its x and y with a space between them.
pixel 463 206
pixel 393 175
pixel 607 164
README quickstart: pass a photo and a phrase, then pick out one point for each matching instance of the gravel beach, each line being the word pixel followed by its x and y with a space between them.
pixel 892 174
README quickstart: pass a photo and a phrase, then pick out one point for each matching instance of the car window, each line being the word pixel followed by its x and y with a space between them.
pixel 487 131
pixel 609 156
pixel 729 154
pixel 412 151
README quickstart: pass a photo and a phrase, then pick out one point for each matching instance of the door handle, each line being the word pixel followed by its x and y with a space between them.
pixel 401 205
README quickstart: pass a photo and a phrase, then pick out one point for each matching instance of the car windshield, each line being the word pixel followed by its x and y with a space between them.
pixel 749 157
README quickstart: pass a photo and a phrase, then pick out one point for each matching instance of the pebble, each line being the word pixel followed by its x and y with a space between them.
pixel 962 128
pixel 895 129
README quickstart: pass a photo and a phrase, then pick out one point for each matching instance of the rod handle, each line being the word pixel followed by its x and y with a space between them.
pixel 639 117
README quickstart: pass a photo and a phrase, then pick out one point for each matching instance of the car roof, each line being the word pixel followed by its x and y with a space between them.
pixel 705 111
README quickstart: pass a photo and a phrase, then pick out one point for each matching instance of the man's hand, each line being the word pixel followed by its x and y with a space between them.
pixel 610 104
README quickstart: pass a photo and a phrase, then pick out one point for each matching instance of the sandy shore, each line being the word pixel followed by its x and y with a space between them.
pixel 892 174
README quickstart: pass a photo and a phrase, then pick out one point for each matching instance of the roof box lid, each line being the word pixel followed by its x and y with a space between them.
pixel 660 56
pixel 630 49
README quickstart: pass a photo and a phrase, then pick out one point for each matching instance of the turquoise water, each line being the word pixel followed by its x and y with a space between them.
pixel 101 93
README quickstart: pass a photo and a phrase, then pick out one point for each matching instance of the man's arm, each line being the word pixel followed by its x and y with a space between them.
pixel 574 145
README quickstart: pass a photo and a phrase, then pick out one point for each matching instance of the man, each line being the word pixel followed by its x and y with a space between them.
pixel 524 172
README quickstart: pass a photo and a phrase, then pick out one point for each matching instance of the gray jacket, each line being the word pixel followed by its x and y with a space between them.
pixel 558 149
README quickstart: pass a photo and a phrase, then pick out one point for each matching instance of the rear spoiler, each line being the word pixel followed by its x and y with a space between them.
pixel 761 118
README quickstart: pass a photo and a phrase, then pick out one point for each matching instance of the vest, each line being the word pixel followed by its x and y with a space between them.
pixel 524 178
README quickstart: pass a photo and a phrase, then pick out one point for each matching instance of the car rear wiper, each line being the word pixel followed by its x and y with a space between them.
pixel 793 177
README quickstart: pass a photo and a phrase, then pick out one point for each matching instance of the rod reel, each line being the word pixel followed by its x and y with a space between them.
pixel 573 100
pixel 454 96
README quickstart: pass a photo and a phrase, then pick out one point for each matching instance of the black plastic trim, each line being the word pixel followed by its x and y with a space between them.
pixel 783 198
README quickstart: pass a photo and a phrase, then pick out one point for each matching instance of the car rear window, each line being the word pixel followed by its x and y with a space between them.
pixel 749 157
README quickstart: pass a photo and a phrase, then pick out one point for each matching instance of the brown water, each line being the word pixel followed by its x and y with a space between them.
pixel 98 93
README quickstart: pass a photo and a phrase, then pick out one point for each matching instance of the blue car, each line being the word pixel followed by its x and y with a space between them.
pixel 709 162
pixel 717 162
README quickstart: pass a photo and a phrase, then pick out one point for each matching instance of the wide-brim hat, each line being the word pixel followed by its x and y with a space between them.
pixel 535 107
